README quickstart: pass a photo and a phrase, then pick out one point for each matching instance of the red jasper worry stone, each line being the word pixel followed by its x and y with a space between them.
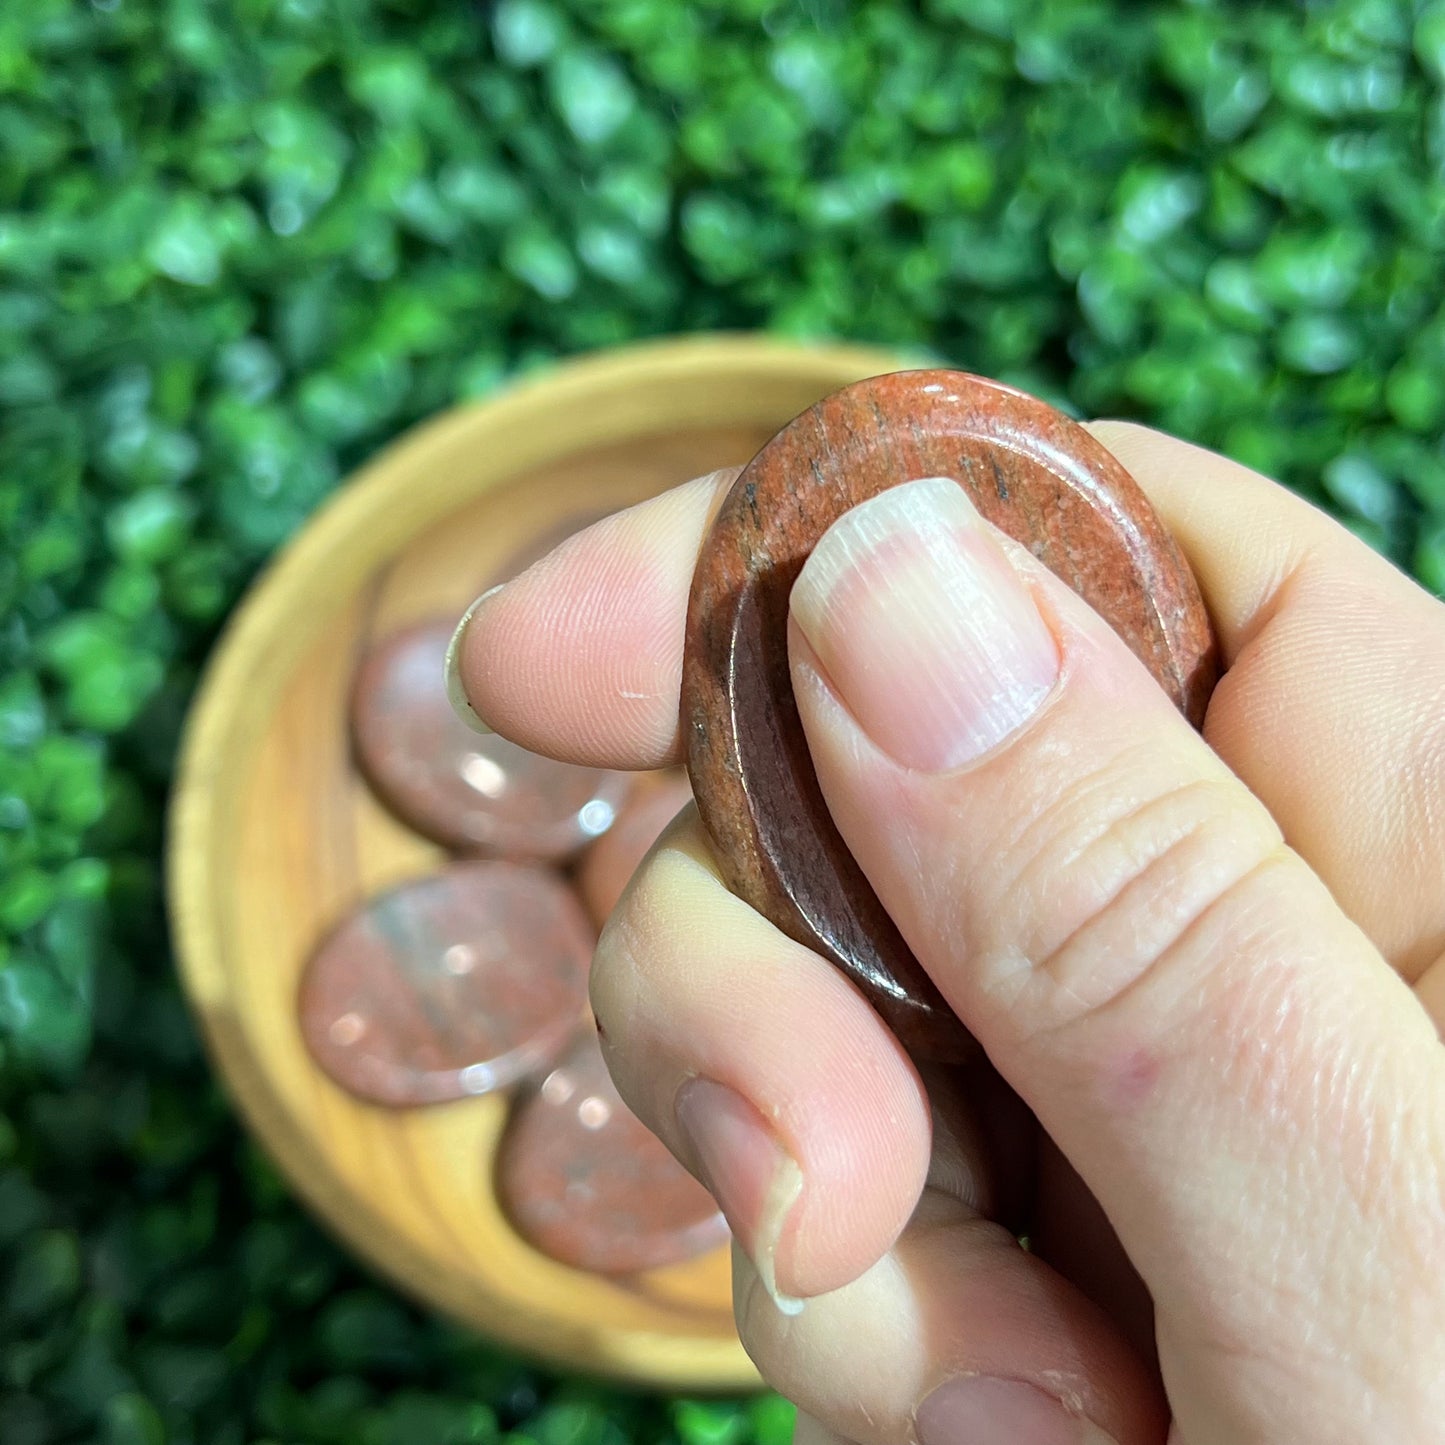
pixel 449 986
pixel 585 1181
pixel 464 789
pixel 608 865
pixel 1032 472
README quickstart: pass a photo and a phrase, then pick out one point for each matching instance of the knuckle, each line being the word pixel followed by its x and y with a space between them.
pixel 1102 893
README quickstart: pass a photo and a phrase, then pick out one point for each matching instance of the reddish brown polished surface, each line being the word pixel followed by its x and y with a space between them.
pixel 449 986
pixel 608 865
pixel 587 1183
pixel 1032 472
pixel 466 790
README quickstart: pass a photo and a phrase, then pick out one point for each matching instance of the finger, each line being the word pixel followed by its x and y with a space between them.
pixel 1213 1045
pixel 1332 710
pixel 956 1337
pixel 581 656
pixel 808 1431
pixel 1430 990
pixel 762 1068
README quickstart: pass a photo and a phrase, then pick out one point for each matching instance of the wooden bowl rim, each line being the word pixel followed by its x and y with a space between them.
pixel 648 388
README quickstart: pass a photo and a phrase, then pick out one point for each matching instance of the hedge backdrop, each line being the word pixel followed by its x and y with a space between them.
pixel 243 244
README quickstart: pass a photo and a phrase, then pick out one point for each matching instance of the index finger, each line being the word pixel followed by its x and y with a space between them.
pixel 580 657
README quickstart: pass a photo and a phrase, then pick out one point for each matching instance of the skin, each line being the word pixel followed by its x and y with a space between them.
pixel 1209 977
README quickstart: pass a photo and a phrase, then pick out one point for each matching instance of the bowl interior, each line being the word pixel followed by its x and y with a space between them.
pixel 276 836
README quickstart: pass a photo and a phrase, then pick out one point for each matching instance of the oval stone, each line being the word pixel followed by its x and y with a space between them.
pixel 449 986
pixel 1032 472
pixel 467 790
pixel 585 1181
pixel 607 866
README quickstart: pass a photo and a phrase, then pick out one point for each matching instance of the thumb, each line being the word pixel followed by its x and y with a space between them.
pixel 1225 1059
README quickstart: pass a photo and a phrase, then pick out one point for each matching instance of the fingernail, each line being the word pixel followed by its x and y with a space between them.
pixel 924 627
pixel 755 1182
pixel 985 1410
pixel 458 698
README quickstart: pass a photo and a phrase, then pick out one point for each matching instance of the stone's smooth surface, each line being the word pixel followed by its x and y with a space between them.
pixel 467 790
pixel 586 1182
pixel 449 986
pixel 608 865
pixel 1029 470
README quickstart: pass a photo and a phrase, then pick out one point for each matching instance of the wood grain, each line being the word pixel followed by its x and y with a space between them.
pixel 274 837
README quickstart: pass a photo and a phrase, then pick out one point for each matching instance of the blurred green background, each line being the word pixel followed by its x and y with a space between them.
pixel 244 244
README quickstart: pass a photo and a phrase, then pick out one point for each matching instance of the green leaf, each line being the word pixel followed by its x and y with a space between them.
pixel 151 525
pixel 1430 40
pixel 525 32
pixel 131 1419
pixel 592 94
pixel 45 1274
pixel 538 258
pixel 43 1023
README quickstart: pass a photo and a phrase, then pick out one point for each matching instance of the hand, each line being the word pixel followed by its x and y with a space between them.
pixel 1210 978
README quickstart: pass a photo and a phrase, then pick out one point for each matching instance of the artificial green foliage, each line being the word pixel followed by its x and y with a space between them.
pixel 245 242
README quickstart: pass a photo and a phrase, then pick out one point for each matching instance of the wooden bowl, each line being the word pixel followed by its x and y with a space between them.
pixel 274 836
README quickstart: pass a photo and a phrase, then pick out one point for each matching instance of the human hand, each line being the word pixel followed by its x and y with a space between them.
pixel 1210 979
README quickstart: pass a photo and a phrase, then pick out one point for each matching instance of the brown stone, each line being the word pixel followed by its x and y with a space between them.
pixel 585 1181
pixel 449 986
pixel 608 865
pixel 1032 472
pixel 468 791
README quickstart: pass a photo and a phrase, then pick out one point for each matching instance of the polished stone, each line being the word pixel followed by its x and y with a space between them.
pixel 1031 471
pixel 469 791
pixel 449 986
pixel 585 1181
pixel 607 866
